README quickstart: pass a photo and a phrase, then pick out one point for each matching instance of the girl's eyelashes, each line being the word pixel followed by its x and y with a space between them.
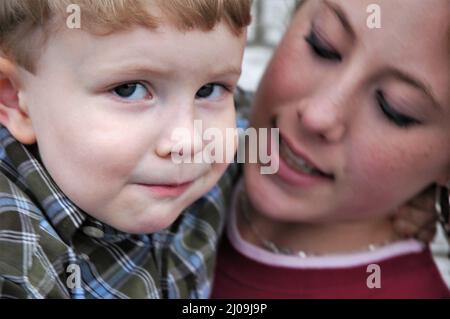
pixel 324 51
pixel 320 48
pixel 392 115
pixel 133 91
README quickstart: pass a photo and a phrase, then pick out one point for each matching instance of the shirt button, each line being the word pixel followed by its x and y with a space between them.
pixel 93 232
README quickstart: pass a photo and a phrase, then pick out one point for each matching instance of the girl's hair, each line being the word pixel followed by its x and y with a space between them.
pixel 25 25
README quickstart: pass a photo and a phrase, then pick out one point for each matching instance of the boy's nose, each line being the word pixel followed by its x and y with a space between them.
pixel 181 136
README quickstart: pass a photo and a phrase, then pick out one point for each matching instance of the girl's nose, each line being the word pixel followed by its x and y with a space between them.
pixel 323 119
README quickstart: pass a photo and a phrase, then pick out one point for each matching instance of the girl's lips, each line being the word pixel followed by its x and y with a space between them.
pixel 297 178
pixel 168 190
pixel 290 175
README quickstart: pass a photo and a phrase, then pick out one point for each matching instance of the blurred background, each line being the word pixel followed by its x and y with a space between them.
pixel 270 20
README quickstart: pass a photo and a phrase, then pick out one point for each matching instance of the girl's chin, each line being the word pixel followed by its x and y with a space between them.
pixel 273 201
pixel 259 185
pixel 264 195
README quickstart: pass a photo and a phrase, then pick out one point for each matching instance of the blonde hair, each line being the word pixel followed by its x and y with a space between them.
pixel 25 25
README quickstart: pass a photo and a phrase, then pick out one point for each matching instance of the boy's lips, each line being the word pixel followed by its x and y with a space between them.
pixel 168 190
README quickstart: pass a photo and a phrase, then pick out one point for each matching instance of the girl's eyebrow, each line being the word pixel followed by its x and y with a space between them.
pixel 401 75
pixel 342 16
pixel 413 81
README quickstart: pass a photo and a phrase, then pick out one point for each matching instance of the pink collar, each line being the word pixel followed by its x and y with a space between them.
pixel 336 261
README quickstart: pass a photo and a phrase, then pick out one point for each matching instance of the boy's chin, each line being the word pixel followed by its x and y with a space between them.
pixel 162 214
pixel 148 221
pixel 148 225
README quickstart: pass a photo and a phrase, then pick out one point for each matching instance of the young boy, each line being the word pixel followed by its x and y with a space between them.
pixel 87 116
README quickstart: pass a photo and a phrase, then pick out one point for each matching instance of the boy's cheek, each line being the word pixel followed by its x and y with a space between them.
pixel 220 168
pixel 214 175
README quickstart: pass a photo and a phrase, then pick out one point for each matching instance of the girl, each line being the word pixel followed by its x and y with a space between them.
pixel 364 119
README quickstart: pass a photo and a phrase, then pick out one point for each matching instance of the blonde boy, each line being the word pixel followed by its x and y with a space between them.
pixel 87 117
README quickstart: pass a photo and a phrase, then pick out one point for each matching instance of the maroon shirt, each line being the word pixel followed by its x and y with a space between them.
pixel 412 275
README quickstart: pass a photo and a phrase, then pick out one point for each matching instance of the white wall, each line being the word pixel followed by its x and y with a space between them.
pixel 270 20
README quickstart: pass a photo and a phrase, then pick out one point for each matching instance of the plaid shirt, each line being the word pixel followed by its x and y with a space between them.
pixel 49 248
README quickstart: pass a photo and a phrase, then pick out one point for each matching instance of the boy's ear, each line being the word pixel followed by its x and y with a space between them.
pixel 13 108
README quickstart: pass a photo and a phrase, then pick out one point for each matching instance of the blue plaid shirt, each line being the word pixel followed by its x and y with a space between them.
pixel 49 248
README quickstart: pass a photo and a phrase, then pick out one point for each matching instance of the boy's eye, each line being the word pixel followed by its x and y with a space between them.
pixel 392 115
pixel 320 49
pixel 210 91
pixel 131 91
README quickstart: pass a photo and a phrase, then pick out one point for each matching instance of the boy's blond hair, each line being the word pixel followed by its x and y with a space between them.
pixel 26 24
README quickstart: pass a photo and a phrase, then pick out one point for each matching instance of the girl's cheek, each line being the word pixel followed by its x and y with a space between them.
pixel 389 175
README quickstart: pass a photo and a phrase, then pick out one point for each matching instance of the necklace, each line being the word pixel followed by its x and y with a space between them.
pixel 244 207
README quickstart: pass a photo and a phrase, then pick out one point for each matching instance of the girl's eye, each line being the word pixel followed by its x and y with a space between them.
pixel 131 91
pixel 210 91
pixel 320 49
pixel 392 115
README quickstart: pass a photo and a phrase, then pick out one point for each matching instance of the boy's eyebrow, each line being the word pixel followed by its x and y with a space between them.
pixel 133 68
pixel 413 81
pixel 342 16
pixel 228 71
pixel 136 68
